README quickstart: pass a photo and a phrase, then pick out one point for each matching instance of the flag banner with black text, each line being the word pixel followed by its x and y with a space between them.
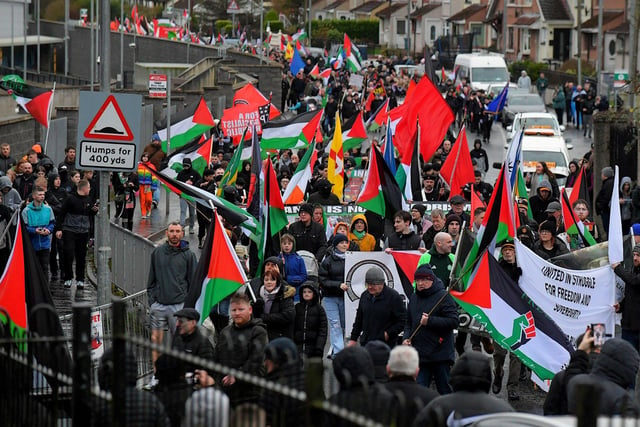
pixel 572 298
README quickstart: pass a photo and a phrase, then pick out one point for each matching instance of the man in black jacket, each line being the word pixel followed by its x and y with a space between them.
pixel 603 199
pixel 630 305
pixel 309 235
pixel 189 176
pixel 404 239
pixel 381 314
pixel 189 338
pixel 403 368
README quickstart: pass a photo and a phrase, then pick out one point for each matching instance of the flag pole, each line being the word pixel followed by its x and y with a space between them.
pixel 50 107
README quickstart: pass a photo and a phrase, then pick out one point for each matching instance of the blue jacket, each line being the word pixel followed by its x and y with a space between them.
pixel 294 268
pixel 434 342
pixel 39 217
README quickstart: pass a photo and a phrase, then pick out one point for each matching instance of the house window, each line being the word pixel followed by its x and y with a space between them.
pixel 594 40
pixel 510 39
pixel 543 35
pixel 478 31
pixel 401 27
pixel 432 32
pixel 526 41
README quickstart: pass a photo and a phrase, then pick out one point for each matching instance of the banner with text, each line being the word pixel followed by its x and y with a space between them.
pixel 574 299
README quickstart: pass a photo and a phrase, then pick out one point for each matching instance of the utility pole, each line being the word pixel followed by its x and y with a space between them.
pixel 634 18
pixel 505 29
pixel 600 42
pixel 102 228
pixel 579 56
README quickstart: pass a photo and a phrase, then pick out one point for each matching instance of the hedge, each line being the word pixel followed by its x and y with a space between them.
pixel 361 31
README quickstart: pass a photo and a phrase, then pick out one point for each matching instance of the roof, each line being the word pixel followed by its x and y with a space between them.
pixel 492 12
pixel 388 11
pixel 467 12
pixel 367 7
pixel 424 10
pixel 555 10
pixel 620 29
pixel 527 19
pixel 607 16
pixel 336 4
pixel 31 40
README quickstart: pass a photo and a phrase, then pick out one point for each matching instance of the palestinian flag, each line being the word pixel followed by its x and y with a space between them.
pixel 23 287
pixel 369 100
pixel 273 219
pixel 427 102
pixel 187 125
pixel 233 214
pixel 406 262
pixel 249 95
pixel 253 195
pixel 234 166
pixel 199 152
pixel 294 194
pixel 354 132
pixel 296 132
pixel 580 190
pixel 409 173
pixel 514 322
pixel 378 117
pixel 457 170
pixel 352 55
pixel 315 72
pixel 299 35
pixel 282 46
pixel 35 101
pixel 498 225
pixel 336 162
pixel 575 229
pixel 325 74
pixel 380 193
pixel 219 272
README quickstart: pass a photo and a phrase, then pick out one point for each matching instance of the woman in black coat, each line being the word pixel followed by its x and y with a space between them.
pixel 278 312
pixel 310 326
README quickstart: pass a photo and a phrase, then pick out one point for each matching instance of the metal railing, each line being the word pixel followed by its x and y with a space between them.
pixel 130 259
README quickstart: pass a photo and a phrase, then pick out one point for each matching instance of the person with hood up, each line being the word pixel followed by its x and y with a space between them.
pixel 612 376
pixel 295 270
pixel 277 312
pixel 626 203
pixel 342 228
pixel 434 314
pixel 241 346
pixel 480 155
pixel 471 382
pixel 603 199
pixel 323 195
pixel 360 235
pixel 540 201
pixel 536 179
pixel 310 324
pixel 10 196
pixel 354 370
pixel 331 278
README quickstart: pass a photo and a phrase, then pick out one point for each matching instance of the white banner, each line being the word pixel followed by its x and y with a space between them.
pixel 355 267
pixel 97 335
pixel 574 299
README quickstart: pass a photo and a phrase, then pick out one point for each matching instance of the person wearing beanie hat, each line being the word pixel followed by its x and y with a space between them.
pixel 453 225
pixel 471 381
pixel 379 353
pixel 339 238
pixel 190 176
pixel 419 220
pixel 635 228
pixel 381 314
pixel 310 236
pixel 603 198
pixel 343 228
pixel 432 315
pixel 630 303
pixel 548 246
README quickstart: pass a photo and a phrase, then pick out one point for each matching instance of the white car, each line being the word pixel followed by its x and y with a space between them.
pixel 540 145
pixel 534 121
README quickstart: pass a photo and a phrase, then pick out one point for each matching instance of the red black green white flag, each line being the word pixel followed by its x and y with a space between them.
pixel 219 272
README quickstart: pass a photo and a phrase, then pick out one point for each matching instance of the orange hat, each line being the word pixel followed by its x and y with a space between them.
pixel 37 148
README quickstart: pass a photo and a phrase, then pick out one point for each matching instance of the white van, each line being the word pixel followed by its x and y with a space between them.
pixel 481 70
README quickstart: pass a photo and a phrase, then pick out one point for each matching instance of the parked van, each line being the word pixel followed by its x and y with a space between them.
pixel 481 70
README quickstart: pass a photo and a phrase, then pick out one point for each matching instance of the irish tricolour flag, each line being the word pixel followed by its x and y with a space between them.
pixel 219 272
pixel 187 125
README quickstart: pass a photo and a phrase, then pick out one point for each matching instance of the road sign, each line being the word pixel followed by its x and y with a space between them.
pixel 233 7
pixel 158 85
pixel 109 128
pixel 620 78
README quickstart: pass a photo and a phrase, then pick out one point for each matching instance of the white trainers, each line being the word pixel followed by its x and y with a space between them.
pixel 68 283
pixel 79 284
pixel 191 230
pixel 151 384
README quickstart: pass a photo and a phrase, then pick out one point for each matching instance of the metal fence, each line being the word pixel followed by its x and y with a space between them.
pixel 130 259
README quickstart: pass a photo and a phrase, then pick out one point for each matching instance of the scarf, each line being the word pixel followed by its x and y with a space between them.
pixel 359 234
pixel 338 254
pixel 268 297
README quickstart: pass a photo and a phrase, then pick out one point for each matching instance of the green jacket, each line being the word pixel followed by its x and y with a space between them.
pixel 441 264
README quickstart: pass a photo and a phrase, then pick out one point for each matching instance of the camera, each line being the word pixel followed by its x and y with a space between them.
pixel 191 378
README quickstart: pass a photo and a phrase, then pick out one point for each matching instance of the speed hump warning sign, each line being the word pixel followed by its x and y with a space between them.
pixel 109 127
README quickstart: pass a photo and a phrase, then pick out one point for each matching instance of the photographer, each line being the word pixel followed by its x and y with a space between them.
pixel 189 338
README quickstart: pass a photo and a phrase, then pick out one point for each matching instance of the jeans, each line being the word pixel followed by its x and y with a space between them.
pixel 156 194
pixel 632 337
pixel 439 372
pixel 183 213
pixel 334 306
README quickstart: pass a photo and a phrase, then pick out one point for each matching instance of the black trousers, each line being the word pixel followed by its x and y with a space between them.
pixel 75 248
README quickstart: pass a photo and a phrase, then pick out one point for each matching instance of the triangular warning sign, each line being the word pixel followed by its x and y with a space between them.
pixel 109 123
pixel 233 5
